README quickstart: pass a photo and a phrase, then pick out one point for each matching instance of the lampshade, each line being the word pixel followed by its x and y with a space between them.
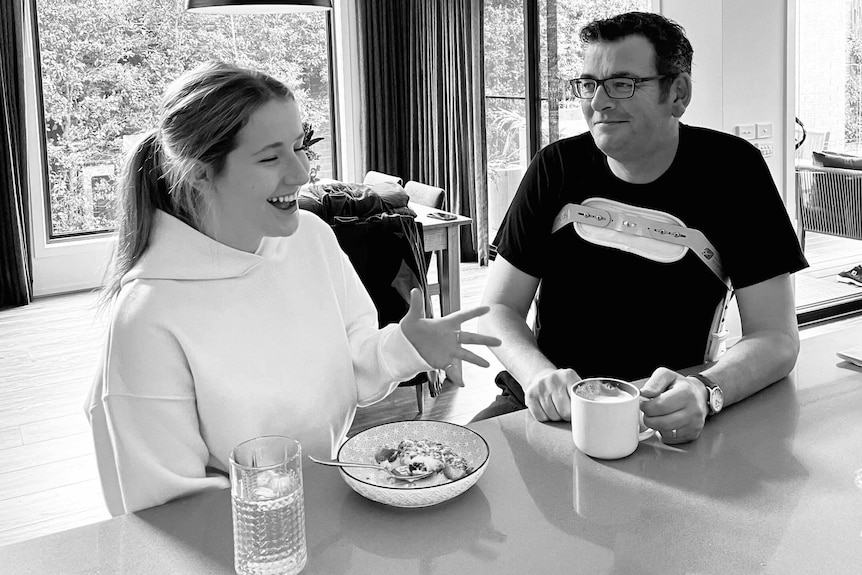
pixel 256 6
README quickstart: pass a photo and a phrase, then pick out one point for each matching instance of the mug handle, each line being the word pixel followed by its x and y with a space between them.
pixel 644 432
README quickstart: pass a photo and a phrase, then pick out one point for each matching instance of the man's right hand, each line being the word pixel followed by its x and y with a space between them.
pixel 548 397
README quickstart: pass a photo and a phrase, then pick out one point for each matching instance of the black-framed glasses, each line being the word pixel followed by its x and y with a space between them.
pixel 616 88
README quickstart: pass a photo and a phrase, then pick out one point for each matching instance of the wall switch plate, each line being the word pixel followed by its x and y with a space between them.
pixel 764 131
pixel 745 131
pixel 766 148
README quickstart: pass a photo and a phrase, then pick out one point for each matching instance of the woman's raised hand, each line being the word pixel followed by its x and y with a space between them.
pixel 440 341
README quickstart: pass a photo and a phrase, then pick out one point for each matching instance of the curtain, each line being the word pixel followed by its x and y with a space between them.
pixel 422 102
pixel 16 287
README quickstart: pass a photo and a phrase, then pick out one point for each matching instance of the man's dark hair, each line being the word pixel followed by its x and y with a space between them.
pixel 673 51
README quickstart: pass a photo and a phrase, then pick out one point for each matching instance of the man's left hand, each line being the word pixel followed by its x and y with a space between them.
pixel 676 405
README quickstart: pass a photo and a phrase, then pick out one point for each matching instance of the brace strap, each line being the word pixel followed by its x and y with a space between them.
pixel 637 224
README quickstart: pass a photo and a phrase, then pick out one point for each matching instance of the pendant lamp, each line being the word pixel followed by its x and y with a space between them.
pixel 256 6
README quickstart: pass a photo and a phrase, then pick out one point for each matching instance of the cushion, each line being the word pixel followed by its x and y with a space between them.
pixel 836 160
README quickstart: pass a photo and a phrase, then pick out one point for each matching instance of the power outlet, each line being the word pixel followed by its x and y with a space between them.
pixel 764 131
pixel 766 148
pixel 746 131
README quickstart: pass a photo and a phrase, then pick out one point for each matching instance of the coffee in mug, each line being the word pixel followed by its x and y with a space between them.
pixel 606 417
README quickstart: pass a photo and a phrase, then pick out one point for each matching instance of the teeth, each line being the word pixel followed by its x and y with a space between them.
pixel 282 199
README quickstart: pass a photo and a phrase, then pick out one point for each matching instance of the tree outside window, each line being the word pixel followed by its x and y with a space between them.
pixel 105 64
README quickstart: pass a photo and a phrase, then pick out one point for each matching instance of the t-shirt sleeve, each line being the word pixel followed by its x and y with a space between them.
pixel 524 236
pixel 759 240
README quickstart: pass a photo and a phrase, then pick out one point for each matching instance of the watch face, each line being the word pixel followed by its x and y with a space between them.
pixel 716 399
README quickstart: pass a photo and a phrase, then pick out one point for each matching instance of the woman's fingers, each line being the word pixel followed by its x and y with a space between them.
pixel 471 357
pixel 472 338
pixel 453 373
pixel 417 305
pixel 465 315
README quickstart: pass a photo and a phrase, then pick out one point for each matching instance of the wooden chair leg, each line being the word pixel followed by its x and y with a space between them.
pixel 439 261
pixel 420 396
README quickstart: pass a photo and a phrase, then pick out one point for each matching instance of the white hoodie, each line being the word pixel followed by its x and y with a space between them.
pixel 210 346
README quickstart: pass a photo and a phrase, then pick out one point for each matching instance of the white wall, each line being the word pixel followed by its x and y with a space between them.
pixel 744 73
pixel 740 69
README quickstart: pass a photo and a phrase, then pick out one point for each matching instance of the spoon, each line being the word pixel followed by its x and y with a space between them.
pixel 402 472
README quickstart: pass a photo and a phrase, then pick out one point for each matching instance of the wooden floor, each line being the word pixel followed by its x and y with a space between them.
pixel 48 351
pixel 818 285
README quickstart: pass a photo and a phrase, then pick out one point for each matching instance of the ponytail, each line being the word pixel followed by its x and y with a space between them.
pixel 141 191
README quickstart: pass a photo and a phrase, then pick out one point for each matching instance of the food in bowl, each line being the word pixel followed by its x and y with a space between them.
pixel 376 484
pixel 423 456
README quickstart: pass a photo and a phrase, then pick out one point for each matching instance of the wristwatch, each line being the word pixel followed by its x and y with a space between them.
pixel 715 397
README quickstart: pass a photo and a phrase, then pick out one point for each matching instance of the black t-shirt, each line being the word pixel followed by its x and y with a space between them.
pixel 606 312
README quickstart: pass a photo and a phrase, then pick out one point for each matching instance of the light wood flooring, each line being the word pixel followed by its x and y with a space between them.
pixel 48 351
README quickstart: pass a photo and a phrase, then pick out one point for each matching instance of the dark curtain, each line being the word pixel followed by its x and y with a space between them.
pixel 16 286
pixel 422 101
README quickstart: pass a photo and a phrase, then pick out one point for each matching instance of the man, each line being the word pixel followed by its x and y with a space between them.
pixel 629 306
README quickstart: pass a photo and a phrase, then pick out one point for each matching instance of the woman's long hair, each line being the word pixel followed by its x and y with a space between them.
pixel 201 114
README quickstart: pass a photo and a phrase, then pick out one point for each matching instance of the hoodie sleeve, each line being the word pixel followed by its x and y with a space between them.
pixel 382 358
pixel 143 413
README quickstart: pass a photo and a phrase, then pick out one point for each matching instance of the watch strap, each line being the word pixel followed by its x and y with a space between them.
pixel 710 386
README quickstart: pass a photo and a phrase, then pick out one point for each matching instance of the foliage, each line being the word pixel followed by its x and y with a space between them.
pixel 309 140
pixel 105 64
pixel 853 89
pixel 504 64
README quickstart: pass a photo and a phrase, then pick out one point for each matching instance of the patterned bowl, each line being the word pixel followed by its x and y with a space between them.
pixel 372 483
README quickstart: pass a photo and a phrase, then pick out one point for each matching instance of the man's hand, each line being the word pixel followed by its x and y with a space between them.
pixel 548 397
pixel 676 403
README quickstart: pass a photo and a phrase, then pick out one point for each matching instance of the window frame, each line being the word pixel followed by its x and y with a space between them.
pixel 79 262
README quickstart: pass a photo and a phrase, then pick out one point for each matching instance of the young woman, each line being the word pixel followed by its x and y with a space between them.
pixel 234 314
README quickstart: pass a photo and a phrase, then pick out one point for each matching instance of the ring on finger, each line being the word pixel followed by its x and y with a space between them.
pixel 673 433
pixel 458 336
pixel 448 366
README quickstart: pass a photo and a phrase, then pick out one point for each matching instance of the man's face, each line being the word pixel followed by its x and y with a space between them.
pixel 632 128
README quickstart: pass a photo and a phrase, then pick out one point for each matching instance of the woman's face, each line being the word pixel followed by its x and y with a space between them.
pixel 255 194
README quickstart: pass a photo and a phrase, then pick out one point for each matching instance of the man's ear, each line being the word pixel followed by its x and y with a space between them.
pixel 680 94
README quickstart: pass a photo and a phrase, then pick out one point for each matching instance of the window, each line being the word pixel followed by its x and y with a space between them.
pixel 105 64
pixel 829 105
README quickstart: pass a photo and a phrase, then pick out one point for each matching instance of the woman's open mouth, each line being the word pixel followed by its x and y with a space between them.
pixel 286 202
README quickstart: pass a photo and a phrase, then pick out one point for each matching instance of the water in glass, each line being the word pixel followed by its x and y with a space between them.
pixel 268 518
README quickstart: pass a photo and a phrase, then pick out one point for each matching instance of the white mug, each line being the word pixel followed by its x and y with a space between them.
pixel 607 426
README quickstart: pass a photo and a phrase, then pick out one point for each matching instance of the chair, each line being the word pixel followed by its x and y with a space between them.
pixel 432 197
pixel 828 201
pixel 373 177
pixel 815 141
pixel 436 198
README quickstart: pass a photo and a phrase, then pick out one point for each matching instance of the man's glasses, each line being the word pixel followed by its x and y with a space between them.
pixel 616 88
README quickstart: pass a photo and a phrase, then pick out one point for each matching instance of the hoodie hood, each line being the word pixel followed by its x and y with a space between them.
pixel 179 252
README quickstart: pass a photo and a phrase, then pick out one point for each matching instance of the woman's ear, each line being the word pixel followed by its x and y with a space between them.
pixel 201 176
pixel 680 94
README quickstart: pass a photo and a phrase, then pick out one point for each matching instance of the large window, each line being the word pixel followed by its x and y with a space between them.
pixel 511 66
pixel 105 64
pixel 829 105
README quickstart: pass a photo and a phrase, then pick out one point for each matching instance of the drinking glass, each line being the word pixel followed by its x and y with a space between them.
pixel 268 506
